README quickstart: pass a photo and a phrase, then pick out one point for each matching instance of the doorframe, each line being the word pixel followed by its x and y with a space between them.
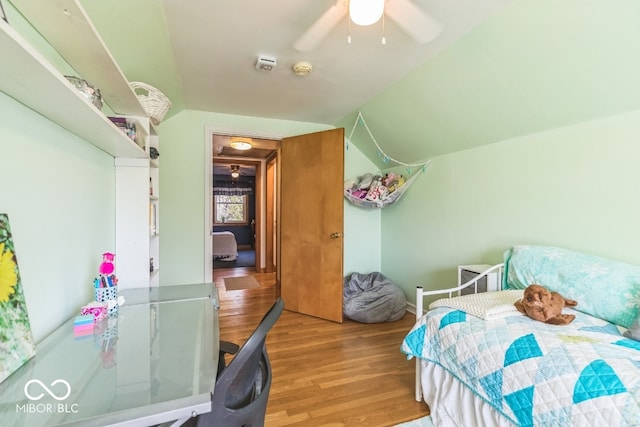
pixel 271 210
pixel 209 131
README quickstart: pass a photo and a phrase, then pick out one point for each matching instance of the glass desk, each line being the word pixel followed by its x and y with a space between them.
pixel 153 362
pixel 172 293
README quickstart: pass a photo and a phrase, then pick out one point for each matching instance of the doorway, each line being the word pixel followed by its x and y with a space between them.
pixel 308 217
pixel 251 194
pixel 234 213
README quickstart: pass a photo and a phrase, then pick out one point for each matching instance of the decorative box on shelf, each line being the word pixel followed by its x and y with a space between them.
pixel 132 129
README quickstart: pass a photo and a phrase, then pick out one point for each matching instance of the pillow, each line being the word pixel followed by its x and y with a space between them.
pixel 603 288
pixel 485 305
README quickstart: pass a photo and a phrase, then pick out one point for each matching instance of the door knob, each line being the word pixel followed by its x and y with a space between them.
pixel 336 235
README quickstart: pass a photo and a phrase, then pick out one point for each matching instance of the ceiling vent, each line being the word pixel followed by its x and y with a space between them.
pixel 265 63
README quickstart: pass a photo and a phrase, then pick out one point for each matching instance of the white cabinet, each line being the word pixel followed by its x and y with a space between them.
pixel 138 218
pixel 138 212
pixel 28 77
pixel 489 283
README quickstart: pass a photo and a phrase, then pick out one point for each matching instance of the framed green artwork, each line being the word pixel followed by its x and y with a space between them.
pixel 16 340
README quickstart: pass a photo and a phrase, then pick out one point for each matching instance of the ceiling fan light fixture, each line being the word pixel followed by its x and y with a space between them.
pixel 241 144
pixel 365 12
pixel 235 171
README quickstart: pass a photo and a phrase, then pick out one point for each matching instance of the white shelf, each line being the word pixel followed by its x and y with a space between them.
pixel 29 78
pixel 66 26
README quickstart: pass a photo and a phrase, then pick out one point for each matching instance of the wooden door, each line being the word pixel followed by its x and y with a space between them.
pixel 311 174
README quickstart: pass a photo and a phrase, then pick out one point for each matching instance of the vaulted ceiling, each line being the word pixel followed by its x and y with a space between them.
pixel 202 53
pixel 499 69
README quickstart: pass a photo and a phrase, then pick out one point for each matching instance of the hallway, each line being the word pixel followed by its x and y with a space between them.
pixel 246 258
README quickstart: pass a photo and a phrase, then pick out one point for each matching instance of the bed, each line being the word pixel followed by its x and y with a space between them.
pixel 225 247
pixel 481 362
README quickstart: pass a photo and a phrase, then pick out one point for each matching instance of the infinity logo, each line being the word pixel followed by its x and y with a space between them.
pixel 52 394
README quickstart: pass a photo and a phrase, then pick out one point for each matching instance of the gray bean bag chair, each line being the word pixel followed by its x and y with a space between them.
pixel 372 298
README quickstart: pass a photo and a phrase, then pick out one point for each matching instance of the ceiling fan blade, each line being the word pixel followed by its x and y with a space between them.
pixel 319 30
pixel 413 20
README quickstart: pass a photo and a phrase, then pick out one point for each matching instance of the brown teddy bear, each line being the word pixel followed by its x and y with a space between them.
pixel 540 304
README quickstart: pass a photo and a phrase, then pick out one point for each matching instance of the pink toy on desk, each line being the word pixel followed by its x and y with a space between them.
pixel 97 309
pixel 107 267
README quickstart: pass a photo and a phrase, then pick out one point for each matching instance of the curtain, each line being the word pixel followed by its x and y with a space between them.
pixel 223 187
pixel 231 191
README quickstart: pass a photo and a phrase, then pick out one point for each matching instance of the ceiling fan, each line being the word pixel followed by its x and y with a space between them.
pixel 416 23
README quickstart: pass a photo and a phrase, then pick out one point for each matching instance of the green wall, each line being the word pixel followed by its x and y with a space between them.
pixel 182 175
pixel 574 187
pixel 533 66
pixel 59 193
pixel 362 227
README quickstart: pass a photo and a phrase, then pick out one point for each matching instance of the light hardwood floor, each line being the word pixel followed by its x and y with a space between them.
pixel 324 373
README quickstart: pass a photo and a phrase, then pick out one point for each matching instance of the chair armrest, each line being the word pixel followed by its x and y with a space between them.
pixel 226 347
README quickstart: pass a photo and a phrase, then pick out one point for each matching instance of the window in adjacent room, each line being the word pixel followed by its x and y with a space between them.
pixel 230 210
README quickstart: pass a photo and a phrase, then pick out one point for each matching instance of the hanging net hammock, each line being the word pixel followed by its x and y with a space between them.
pixel 377 190
pixel 377 194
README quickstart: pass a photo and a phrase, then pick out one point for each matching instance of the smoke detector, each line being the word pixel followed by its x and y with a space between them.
pixel 265 63
pixel 302 68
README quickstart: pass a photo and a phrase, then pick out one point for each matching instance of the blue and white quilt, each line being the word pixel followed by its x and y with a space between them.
pixel 582 374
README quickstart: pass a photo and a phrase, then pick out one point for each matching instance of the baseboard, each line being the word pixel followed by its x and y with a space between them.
pixel 411 308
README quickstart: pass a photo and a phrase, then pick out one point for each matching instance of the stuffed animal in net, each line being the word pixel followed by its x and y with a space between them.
pixel 545 306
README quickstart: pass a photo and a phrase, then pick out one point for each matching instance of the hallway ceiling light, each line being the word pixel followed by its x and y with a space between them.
pixel 235 171
pixel 240 143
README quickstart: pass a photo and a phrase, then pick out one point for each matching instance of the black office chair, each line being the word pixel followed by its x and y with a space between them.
pixel 242 387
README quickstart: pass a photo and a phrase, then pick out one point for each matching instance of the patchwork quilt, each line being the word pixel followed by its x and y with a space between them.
pixel 582 374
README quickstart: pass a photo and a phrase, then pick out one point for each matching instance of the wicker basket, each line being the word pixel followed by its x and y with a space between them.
pixel 154 102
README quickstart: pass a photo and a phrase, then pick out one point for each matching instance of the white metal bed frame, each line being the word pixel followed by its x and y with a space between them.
pixel 420 294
